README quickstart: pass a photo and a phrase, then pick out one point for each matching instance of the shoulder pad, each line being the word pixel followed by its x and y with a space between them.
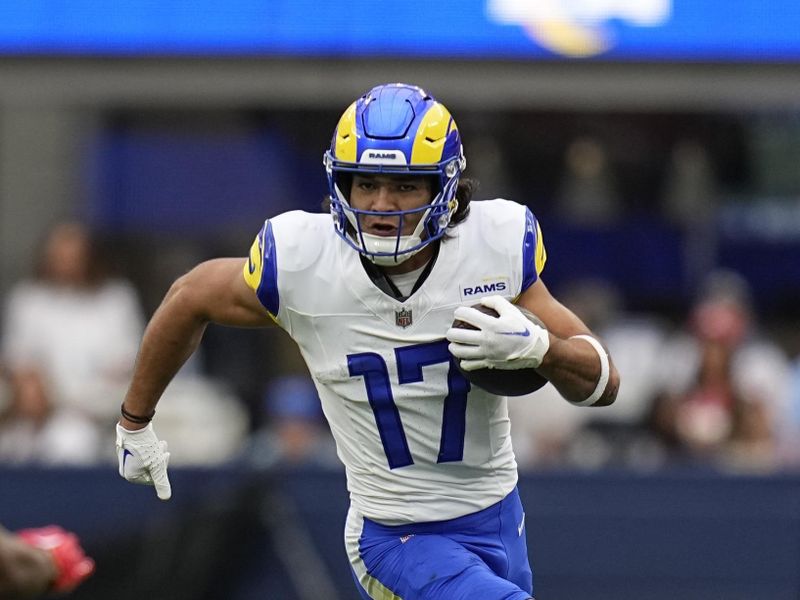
pixel 300 238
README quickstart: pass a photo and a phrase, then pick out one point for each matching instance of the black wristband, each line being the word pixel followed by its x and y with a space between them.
pixel 135 418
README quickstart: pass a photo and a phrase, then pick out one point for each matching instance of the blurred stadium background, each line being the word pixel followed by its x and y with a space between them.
pixel 658 142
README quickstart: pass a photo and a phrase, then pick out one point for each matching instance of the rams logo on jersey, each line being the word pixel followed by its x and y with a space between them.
pixel 484 288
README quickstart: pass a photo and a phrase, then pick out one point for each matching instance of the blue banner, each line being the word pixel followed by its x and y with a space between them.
pixel 670 30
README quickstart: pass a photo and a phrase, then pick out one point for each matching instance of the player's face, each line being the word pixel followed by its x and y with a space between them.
pixel 386 193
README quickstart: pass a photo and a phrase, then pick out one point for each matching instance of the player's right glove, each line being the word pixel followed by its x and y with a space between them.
pixel 509 341
pixel 143 459
pixel 72 565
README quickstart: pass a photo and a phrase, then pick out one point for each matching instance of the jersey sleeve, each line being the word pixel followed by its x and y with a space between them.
pixel 261 269
pixel 534 254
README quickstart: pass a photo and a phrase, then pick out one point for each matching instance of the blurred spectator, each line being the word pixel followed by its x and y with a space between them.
pixel 690 188
pixel 543 426
pixel 32 429
pixel 634 340
pixel 587 195
pixel 548 431
pixel 196 403
pixel 725 388
pixel 295 432
pixel 691 197
pixel 70 337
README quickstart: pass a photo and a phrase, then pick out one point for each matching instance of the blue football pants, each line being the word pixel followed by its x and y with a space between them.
pixel 481 556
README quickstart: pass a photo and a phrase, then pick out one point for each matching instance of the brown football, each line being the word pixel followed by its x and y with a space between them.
pixel 503 382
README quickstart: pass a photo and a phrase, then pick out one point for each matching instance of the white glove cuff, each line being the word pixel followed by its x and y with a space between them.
pixel 148 427
pixel 540 347
pixel 604 370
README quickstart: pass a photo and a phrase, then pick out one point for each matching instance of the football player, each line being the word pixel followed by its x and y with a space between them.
pixel 369 293
pixel 36 561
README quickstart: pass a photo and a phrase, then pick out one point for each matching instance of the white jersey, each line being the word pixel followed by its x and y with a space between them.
pixel 417 443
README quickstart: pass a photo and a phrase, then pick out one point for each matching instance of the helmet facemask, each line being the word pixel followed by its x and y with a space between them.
pixel 395 130
pixel 393 249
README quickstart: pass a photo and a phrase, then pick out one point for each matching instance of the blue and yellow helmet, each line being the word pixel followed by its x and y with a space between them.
pixel 396 129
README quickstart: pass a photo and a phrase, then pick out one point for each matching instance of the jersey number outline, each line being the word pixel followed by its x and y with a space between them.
pixel 410 361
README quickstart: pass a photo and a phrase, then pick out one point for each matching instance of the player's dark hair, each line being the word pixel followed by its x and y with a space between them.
pixel 464 192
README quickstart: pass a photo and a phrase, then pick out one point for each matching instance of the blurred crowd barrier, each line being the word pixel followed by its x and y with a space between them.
pixel 244 532
pixel 715 390
pixel 70 335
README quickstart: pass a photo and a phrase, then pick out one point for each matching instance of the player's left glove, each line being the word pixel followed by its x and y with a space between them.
pixel 144 459
pixel 510 341
pixel 72 565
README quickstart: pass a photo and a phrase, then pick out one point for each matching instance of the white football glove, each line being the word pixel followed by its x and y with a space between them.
pixel 143 459
pixel 510 341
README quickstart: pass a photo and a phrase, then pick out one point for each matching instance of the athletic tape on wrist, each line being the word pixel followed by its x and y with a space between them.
pixel 604 370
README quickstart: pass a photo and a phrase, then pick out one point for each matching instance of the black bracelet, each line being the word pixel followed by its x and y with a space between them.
pixel 134 418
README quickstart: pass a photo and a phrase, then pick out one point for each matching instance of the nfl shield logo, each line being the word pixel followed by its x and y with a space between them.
pixel 402 318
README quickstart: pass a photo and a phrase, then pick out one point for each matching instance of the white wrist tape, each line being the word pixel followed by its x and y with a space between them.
pixel 604 370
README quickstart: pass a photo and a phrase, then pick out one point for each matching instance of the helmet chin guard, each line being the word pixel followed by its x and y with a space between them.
pixel 395 129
